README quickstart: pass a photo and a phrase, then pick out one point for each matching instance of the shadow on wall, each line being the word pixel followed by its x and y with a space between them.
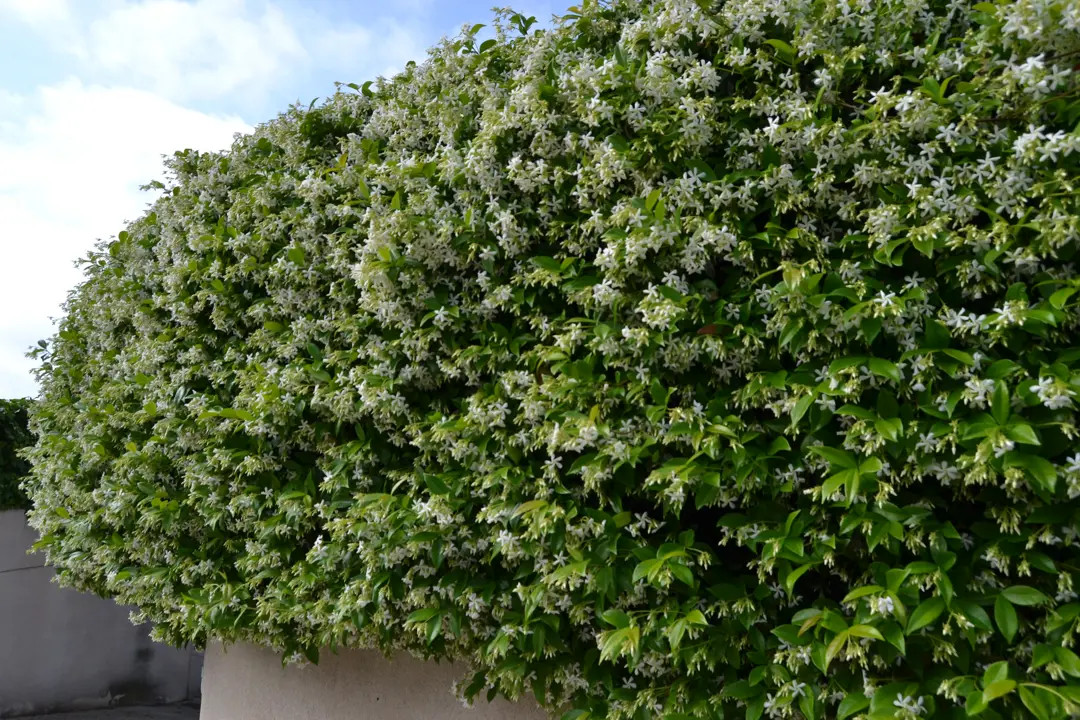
pixel 64 650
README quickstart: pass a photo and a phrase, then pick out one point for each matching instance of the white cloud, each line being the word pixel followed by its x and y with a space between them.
pixel 70 167
pixel 73 153
pixel 187 50
pixel 358 53
pixel 37 12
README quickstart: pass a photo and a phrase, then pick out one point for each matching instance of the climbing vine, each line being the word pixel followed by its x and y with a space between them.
pixel 684 360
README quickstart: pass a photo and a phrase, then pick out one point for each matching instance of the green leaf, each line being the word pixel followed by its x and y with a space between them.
pixel 682 573
pixel 837 457
pixel 696 617
pixel 675 633
pixel 895 578
pixel 1001 368
pixel 1000 407
pixel 790 331
pixel 1041 655
pixel 975 703
pixel 546 263
pixel 652 198
pixel 738 690
pixel 894 636
pixel 870 466
pixel 779 445
pixel 996 689
pixel 801 407
pixel 1041 470
pixel 887 406
pixel 617 618
pixel 1022 433
pixel 921 567
pixel 434 629
pixel 995 672
pixel 835 482
pixel 755 707
pixel 619 642
pixel 1061 297
pixel 659 393
pixel 936 335
pixel 1005 617
pixel 1024 595
pixel 527 507
pixel 645 567
pixel 436 485
pixel 884 368
pixel 861 592
pixel 794 575
pixel 889 429
pixel 835 646
pixel 1042 315
pixel 784 48
pixel 576 715
pixel 870 328
pixel 1035 703
pixel 423 616
pixel 856 411
pixel 851 704
pixel 927 612
pixel 865 631
pixel 1068 660
pixel 960 355
pixel 975 614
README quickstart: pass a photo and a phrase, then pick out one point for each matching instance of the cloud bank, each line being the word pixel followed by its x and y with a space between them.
pixel 139 80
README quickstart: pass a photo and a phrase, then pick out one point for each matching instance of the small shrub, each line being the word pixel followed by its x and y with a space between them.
pixel 684 360
pixel 14 436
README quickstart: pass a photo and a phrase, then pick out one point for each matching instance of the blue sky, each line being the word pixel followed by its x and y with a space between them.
pixel 94 92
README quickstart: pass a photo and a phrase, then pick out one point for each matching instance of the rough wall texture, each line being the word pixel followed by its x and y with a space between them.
pixel 65 650
pixel 244 682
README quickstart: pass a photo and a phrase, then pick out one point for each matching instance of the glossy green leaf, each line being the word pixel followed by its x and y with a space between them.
pixel 1005 617
pixel 851 704
pixel 927 612
pixel 884 368
pixel 1041 471
pixel 1024 595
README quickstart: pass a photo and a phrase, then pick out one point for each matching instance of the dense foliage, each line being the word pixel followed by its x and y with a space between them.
pixel 14 437
pixel 685 360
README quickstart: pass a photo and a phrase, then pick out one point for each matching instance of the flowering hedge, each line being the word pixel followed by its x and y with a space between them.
pixel 14 436
pixel 684 360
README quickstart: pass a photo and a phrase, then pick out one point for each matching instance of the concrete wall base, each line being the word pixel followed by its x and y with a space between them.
pixel 245 682
pixel 63 650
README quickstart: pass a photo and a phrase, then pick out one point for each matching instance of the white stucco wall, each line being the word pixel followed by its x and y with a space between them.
pixel 244 682
pixel 65 650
